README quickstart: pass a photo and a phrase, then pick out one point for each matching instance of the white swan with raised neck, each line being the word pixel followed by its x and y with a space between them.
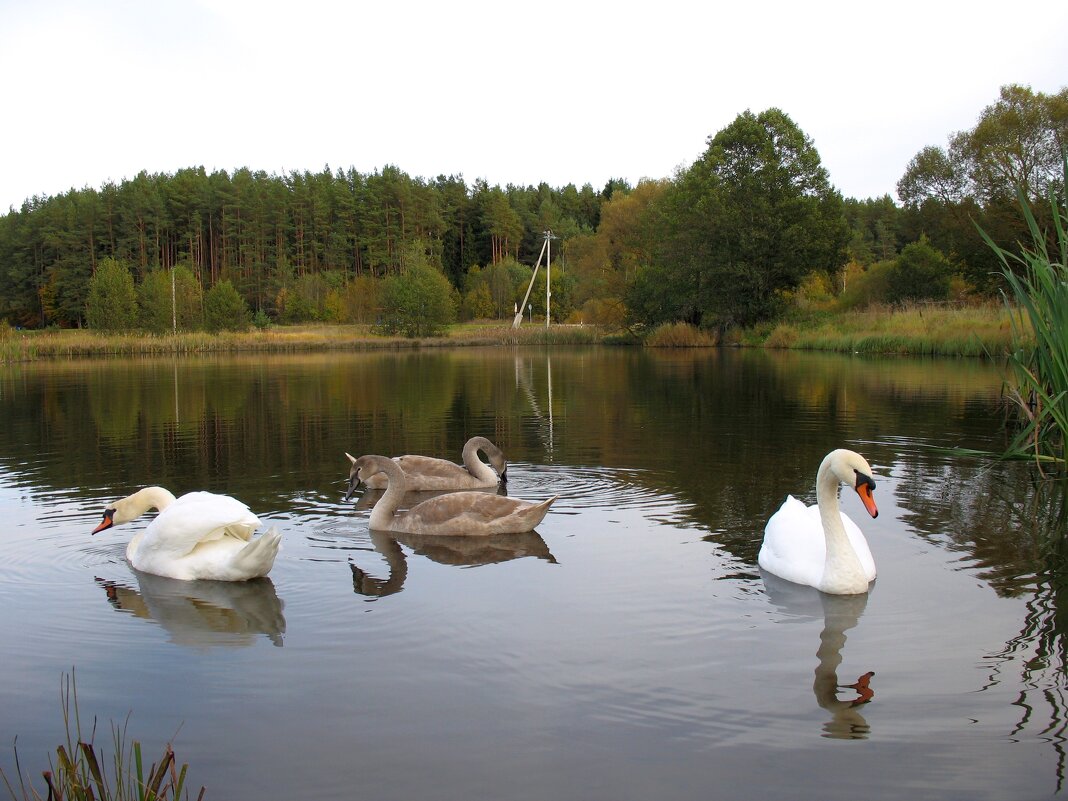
pixel 819 545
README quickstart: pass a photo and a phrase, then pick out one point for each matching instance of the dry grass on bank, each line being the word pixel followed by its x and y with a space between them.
pixel 915 330
pixel 919 330
pixel 24 345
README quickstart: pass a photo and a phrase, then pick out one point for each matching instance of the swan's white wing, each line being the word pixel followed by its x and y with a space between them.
pixel 794 547
pixel 196 518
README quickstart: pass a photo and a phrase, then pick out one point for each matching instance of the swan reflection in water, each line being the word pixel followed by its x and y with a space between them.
pixel 840 613
pixel 203 613
pixel 447 550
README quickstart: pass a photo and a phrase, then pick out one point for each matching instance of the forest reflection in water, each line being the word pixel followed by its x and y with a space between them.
pixel 651 454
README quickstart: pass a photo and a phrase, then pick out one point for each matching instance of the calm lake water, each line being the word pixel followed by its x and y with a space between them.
pixel 630 649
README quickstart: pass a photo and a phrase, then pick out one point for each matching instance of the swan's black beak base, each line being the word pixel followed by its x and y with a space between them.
pixel 865 487
pixel 107 522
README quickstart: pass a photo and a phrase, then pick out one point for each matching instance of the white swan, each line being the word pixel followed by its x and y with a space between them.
pixel 819 545
pixel 429 473
pixel 458 513
pixel 198 536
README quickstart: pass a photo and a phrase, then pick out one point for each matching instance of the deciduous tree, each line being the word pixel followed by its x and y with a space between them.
pixel 417 302
pixel 746 223
pixel 112 301
pixel 225 310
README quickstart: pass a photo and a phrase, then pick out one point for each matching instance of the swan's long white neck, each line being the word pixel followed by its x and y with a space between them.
pixel 133 506
pixel 842 572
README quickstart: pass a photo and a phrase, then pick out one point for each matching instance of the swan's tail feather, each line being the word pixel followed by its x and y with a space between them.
pixel 257 558
pixel 539 510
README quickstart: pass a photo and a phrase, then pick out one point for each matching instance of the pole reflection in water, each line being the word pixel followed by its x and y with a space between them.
pixel 526 383
pixel 839 613
pixel 203 613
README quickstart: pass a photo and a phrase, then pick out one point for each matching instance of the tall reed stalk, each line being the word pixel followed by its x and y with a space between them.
pixel 1038 280
pixel 79 774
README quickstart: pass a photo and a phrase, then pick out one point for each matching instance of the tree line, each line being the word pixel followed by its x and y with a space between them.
pixel 733 239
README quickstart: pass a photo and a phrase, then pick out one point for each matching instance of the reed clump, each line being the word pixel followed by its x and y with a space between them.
pixel 1038 280
pixel 528 334
pixel 679 335
pixel 80 772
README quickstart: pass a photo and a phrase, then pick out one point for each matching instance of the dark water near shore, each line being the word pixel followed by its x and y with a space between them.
pixel 628 649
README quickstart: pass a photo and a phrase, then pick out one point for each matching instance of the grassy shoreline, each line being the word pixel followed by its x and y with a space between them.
pixel 913 331
pixel 920 331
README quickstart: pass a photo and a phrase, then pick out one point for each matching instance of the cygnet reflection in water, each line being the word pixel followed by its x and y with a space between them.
pixel 839 613
pixel 203 613
pixel 448 550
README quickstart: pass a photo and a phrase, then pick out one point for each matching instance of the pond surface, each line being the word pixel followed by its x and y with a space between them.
pixel 629 649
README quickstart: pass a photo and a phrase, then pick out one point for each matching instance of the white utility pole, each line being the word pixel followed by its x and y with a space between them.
pixel 548 272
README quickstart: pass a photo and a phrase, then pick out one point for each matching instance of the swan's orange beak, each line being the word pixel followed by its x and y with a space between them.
pixel 864 490
pixel 107 522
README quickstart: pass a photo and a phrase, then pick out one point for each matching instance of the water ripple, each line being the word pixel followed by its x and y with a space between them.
pixel 585 488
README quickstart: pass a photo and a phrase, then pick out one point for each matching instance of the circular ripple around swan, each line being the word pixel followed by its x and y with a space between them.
pixel 585 488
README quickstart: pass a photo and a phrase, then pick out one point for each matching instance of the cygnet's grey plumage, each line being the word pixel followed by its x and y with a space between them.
pixel 457 513
pixel 426 473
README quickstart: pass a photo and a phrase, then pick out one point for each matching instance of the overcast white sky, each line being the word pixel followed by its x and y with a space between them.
pixel 563 92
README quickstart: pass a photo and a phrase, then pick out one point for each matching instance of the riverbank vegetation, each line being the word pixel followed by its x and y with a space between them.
pixel 911 330
pixel 751 239
pixel 82 772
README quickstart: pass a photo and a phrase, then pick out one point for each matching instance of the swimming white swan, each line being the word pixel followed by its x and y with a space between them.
pixel 819 545
pixel 458 513
pixel 429 473
pixel 198 536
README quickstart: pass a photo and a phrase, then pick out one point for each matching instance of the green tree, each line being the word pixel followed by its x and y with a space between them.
pixel 747 222
pixel 225 310
pixel 359 300
pixel 154 300
pixel 478 303
pixel 189 297
pixel 602 264
pixel 948 192
pixel 417 302
pixel 507 283
pixel 112 300
pixel 921 272
pixel 875 224
pixel 1015 143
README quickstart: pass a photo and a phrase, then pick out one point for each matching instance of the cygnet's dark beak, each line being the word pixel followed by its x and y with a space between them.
pixel 354 482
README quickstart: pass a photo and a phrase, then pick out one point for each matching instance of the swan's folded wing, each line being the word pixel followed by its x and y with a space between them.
pixel 794 547
pixel 199 517
pixel 414 464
